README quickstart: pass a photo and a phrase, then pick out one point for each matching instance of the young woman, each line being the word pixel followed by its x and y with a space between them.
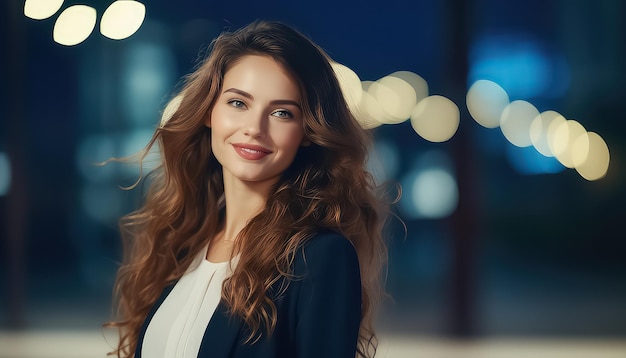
pixel 261 231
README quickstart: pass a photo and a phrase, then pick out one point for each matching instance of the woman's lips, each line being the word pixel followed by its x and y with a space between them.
pixel 251 151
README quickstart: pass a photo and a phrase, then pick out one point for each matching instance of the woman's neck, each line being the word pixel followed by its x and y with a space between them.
pixel 244 200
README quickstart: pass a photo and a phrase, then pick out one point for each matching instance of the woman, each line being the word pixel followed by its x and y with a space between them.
pixel 260 235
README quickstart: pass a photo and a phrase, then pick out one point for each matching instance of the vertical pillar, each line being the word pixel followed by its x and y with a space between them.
pixel 463 222
pixel 14 128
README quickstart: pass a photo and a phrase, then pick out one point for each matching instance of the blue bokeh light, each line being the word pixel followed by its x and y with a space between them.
pixel 529 161
pixel 149 72
pixel 525 67
pixel 431 190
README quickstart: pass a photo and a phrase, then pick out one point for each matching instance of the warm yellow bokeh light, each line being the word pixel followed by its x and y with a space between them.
pixel 407 98
pixel 363 112
pixel 419 84
pixel 552 130
pixel 381 93
pixel 41 9
pixel 515 122
pixel 540 131
pixel 598 158
pixel 435 118
pixel 365 85
pixel 122 19
pixel 580 149
pixel 562 144
pixel 485 102
pixel 369 113
pixel 74 25
pixel 171 108
pixel 350 84
pixel 395 97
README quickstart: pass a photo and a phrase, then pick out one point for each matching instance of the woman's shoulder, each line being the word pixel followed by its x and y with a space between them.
pixel 326 249
pixel 326 239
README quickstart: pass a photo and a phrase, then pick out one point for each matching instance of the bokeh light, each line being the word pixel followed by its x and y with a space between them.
pixel 350 84
pixel 542 130
pixel 435 193
pixel 393 104
pixel 528 161
pixel 379 97
pixel 429 188
pixel 149 72
pixel 405 98
pixel 596 164
pixel 485 102
pixel 435 118
pixel 171 108
pixel 580 149
pixel 419 84
pixel 365 85
pixel 562 143
pixel 369 113
pixel 41 9
pixel 5 174
pixel 552 130
pixel 430 193
pixel 525 66
pixel 74 25
pixel 353 93
pixel 559 143
pixel 122 19
pixel 515 122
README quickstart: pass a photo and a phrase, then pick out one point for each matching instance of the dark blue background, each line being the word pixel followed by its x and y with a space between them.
pixel 523 254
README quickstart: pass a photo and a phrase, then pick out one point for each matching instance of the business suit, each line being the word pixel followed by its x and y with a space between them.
pixel 317 316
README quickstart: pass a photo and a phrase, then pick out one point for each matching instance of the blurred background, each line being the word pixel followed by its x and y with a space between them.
pixel 514 243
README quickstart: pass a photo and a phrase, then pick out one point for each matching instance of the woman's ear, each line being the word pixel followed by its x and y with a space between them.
pixel 305 142
pixel 207 122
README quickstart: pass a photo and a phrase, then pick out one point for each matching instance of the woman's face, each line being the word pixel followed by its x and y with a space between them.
pixel 256 123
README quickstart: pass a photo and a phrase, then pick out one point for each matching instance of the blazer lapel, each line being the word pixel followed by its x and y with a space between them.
pixel 221 335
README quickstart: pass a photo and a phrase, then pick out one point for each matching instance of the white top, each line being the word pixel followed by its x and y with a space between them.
pixel 177 328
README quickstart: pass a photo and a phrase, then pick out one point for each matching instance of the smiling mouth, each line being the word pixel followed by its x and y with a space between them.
pixel 251 152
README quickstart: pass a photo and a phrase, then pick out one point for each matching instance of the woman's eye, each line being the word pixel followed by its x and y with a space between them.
pixel 237 103
pixel 283 114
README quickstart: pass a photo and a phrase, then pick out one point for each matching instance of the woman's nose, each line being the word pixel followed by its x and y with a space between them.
pixel 255 126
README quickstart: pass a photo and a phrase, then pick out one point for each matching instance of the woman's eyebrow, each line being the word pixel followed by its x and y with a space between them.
pixel 286 102
pixel 274 102
pixel 240 92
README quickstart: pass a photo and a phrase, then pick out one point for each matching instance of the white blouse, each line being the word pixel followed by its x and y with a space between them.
pixel 177 328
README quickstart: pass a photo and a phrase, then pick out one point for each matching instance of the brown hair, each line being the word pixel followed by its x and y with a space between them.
pixel 326 186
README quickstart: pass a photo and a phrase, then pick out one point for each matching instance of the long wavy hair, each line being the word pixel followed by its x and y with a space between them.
pixel 326 186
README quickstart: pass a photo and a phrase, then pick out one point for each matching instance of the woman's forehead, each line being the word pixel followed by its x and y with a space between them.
pixel 263 77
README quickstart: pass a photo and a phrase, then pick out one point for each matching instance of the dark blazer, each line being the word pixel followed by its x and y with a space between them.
pixel 318 316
